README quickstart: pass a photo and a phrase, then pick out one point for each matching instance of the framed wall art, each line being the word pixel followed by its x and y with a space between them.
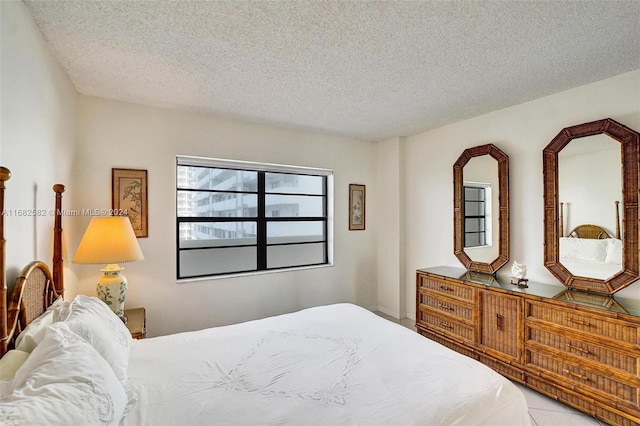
pixel 129 197
pixel 357 198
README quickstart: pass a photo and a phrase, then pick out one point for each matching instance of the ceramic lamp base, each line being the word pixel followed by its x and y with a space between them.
pixel 112 289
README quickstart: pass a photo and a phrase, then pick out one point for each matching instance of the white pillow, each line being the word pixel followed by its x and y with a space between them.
pixel 94 321
pixel 63 382
pixel 614 251
pixel 28 338
pixel 10 363
pixel 583 248
pixel 59 309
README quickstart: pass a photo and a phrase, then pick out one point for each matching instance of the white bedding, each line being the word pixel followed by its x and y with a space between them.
pixel 330 365
pixel 594 258
pixel 592 269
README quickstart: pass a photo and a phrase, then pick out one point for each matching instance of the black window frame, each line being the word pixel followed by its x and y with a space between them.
pixel 261 218
pixel 483 202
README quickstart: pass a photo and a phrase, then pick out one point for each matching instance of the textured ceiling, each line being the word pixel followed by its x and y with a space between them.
pixel 370 70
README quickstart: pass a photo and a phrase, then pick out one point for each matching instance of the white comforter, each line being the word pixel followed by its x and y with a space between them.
pixel 592 269
pixel 330 365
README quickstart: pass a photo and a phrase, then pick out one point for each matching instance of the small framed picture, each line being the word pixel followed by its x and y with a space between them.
pixel 357 197
pixel 129 197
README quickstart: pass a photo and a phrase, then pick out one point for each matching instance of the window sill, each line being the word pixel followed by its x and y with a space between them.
pixel 248 274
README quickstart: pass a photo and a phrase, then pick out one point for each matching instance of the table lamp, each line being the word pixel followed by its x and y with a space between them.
pixel 110 240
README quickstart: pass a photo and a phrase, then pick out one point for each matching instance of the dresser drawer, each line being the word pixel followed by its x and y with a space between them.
pixel 620 360
pixel 503 368
pixel 446 305
pixel 599 410
pixel 609 385
pixel 600 326
pixel 450 327
pixel 446 342
pixel 499 330
pixel 449 288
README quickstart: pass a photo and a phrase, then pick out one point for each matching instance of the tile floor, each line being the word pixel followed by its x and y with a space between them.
pixel 544 411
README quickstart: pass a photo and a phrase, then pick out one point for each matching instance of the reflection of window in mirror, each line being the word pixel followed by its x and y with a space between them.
pixel 477 215
pixel 480 228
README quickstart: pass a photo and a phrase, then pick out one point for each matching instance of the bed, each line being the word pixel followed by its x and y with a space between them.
pixel 76 363
pixel 589 251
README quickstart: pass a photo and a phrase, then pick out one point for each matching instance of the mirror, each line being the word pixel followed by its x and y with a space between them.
pixel 481 208
pixel 589 201
pixel 591 206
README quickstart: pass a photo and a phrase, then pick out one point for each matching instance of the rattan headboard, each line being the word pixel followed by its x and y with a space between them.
pixel 36 288
pixel 33 293
pixel 592 232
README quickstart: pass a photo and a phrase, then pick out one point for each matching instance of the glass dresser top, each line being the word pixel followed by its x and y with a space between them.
pixel 592 300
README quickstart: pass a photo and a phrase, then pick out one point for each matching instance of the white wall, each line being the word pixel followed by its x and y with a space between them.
pixel 37 138
pixel 588 195
pixel 521 132
pixel 391 227
pixel 121 135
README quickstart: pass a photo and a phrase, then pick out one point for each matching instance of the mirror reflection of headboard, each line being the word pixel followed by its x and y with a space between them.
pixel 588 230
pixel 592 232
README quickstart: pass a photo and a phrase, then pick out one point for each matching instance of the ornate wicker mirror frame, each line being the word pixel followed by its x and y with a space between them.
pixel 503 209
pixel 629 141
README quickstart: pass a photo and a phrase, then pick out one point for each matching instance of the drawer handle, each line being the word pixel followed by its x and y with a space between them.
pixel 579 349
pixel 445 325
pixel 580 322
pixel 445 288
pixel 577 375
pixel 446 307
pixel 499 321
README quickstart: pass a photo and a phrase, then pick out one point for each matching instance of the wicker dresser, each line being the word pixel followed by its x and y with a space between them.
pixel 582 349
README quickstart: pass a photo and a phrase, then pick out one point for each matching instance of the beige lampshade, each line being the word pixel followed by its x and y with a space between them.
pixel 108 240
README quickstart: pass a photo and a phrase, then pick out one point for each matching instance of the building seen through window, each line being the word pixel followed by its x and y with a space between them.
pixel 234 220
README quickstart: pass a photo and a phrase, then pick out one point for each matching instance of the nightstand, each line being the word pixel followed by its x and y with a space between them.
pixel 136 322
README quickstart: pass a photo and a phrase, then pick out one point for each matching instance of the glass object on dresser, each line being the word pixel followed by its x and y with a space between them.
pixel 591 206
pixel 481 208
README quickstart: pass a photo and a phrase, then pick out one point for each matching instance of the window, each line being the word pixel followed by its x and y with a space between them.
pixel 477 215
pixel 236 217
